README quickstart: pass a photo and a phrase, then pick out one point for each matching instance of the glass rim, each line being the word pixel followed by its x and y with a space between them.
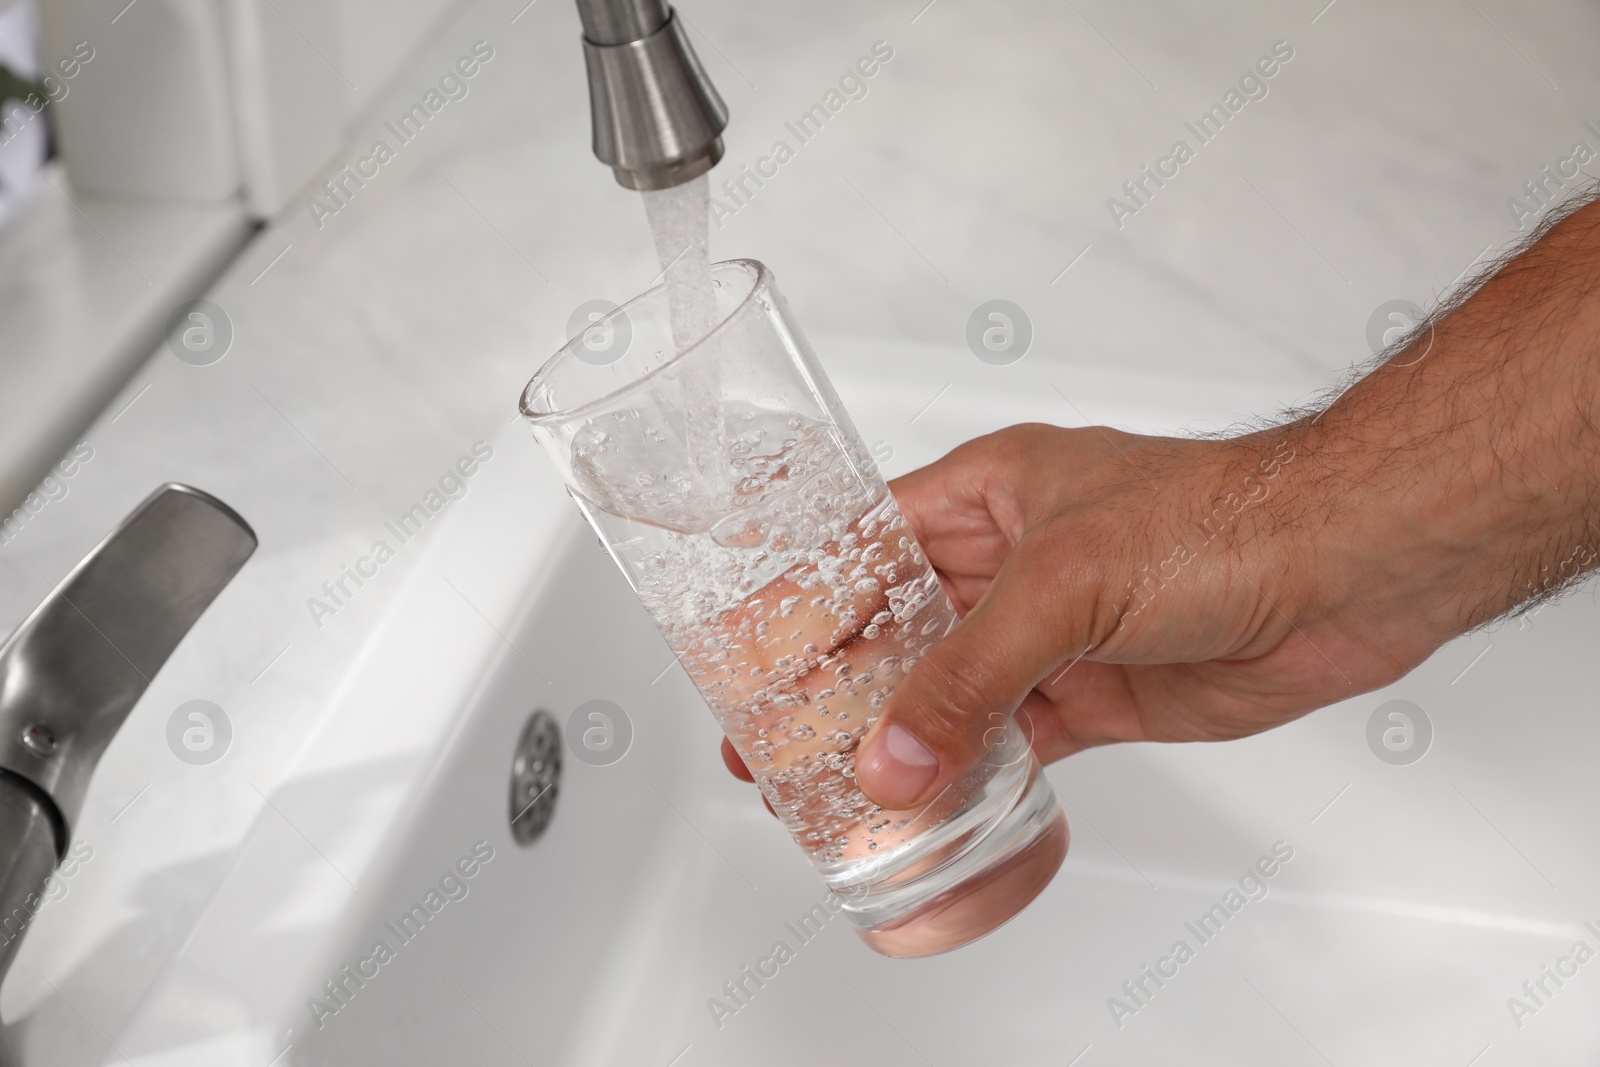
pixel 762 276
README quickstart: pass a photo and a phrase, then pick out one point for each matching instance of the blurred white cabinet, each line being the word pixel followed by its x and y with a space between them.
pixel 204 101
pixel 292 98
pixel 148 115
pixel 304 70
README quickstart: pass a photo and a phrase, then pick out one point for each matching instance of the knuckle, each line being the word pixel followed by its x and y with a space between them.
pixel 1015 443
pixel 1026 439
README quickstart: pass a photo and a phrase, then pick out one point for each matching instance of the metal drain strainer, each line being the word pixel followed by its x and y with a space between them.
pixel 535 778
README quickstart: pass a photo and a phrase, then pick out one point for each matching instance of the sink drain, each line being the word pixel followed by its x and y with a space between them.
pixel 535 778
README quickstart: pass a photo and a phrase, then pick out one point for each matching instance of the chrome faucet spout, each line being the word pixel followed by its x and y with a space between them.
pixel 612 22
pixel 657 118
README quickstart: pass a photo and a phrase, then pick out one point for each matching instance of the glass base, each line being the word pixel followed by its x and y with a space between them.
pixel 971 893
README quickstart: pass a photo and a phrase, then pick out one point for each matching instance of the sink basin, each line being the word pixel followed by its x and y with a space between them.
pixel 1335 907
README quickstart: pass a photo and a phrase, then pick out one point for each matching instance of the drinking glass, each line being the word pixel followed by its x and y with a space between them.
pixel 730 486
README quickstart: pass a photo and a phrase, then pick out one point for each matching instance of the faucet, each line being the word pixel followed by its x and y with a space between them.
pixel 658 120
pixel 74 669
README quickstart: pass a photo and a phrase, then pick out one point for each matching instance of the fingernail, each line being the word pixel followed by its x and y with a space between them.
pixel 898 768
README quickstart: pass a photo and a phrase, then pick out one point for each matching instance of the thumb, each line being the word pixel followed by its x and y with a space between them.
pixel 957 700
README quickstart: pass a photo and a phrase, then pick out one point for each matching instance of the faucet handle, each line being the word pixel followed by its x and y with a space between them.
pixel 75 668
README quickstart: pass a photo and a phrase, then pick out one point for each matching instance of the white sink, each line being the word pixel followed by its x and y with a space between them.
pixel 1418 898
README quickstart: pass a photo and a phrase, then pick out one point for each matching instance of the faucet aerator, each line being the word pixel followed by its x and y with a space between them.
pixel 657 118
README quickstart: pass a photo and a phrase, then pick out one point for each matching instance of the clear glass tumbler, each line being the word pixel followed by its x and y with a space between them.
pixel 732 489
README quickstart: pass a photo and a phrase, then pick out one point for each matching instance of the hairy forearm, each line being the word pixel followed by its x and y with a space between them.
pixel 1462 477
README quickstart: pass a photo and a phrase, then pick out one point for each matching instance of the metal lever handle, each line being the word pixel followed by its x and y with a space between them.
pixel 73 670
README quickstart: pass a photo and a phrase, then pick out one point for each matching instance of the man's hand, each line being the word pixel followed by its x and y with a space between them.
pixel 1124 588
pixel 1115 588
pixel 1112 588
